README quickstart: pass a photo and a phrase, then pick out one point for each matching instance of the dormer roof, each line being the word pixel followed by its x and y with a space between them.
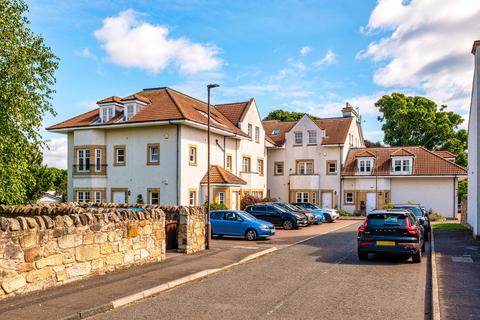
pixel 402 152
pixel 134 97
pixel 112 99
pixel 365 154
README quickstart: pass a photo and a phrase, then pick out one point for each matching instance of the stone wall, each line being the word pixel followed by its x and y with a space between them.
pixel 40 251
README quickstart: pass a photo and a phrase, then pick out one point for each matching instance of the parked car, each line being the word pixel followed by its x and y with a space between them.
pixel 239 223
pixel 330 214
pixel 420 214
pixel 391 231
pixel 287 206
pixel 277 215
pixel 316 210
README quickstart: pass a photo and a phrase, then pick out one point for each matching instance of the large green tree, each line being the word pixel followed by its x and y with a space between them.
pixel 418 121
pixel 283 115
pixel 27 69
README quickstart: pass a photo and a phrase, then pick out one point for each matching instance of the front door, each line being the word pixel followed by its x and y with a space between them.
pixel 326 200
pixel 371 201
pixel 234 200
pixel 119 197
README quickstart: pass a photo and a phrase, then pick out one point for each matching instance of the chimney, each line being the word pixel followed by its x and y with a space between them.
pixel 349 111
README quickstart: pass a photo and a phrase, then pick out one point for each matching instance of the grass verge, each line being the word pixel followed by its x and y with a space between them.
pixel 449 227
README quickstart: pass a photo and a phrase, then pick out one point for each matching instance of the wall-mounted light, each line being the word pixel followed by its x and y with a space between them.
pixel 129 193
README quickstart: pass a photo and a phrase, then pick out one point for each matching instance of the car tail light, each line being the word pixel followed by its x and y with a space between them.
pixel 365 244
pixel 407 244
pixel 411 229
pixel 363 227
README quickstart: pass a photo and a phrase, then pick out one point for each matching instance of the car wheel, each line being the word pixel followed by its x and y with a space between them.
pixel 362 255
pixel 251 235
pixel 417 256
pixel 287 225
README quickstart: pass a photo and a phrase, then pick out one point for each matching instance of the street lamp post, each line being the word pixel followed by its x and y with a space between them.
pixel 209 227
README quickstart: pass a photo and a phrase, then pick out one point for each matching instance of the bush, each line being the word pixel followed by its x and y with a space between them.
pixel 214 206
pixel 344 213
pixel 435 216
pixel 388 205
pixel 248 200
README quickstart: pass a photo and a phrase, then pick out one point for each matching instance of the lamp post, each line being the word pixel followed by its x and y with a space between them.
pixel 209 227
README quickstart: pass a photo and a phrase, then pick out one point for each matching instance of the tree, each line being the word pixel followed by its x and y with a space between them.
pixel 46 179
pixel 27 69
pixel 418 121
pixel 283 115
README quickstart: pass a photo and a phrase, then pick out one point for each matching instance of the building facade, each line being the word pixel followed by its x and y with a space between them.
pixel 152 147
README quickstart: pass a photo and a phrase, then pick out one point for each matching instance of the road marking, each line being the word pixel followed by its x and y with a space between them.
pixel 462 259
pixel 249 248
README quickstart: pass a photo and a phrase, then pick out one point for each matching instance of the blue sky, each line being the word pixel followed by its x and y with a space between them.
pixel 309 56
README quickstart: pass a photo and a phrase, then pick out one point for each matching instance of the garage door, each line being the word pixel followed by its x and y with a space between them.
pixel 119 197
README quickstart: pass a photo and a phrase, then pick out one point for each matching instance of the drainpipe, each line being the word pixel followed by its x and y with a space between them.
pixel 340 196
pixel 178 164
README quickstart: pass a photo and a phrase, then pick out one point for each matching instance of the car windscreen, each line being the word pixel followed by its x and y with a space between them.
pixel 379 220
pixel 279 208
pixel 291 207
pixel 416 210
pixel 246 215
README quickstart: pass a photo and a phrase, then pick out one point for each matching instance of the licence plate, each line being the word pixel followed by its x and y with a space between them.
pixel 386 243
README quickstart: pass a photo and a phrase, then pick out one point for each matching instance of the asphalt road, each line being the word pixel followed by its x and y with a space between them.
pixel 318 279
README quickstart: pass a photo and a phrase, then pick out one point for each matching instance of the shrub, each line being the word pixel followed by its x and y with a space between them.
pixel 435 216
pixel 248 200
pixel 214 206
pixel 388 205
pixel 344 213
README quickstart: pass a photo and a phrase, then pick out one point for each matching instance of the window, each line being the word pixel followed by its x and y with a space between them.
pixel 130 111
pixel 250 130
pixel 331 167
pixel 192 198
pixel 278 168
pixel 107 113
pixel 98 160
pixel 97 196
pixel 275 132
pixel 153 154
pixel 401 166
pixel 257 134
pixel 349 198
pixel 83 156
pixel 221 197
pixel 314 197
pixel 302 196
pixel 312 137
pixel 119 159
pixel 192 155
pixel 83 196
pixel 153 196
pixel 365 166
pixel 229 162
pixel 298 138
pixel 246 167
pixel 260 166
pixel 305 167
pixel 260 194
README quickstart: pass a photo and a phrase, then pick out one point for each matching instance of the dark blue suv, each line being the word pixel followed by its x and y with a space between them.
pixel 277 215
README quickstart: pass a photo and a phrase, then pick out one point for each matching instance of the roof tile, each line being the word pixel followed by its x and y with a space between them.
pixel 219 175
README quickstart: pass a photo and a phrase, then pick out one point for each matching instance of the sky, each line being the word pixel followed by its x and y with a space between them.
pixel 307 56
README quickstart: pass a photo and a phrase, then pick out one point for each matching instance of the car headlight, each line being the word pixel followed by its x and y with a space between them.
pixel 263 226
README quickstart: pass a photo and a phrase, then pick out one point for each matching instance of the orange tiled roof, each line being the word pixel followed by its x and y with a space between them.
pixel 401 152
pixel 110 100
pixel 164 104
pixel 336 129
pixel 365 153
pixel 136 97
pixel 233 111
pixel 219 175
pixel 445 154
pixel 426 163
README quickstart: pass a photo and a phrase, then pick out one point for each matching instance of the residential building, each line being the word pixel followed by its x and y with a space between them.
pixel 375 176
pixel 305 157
pixel 152 146
pixel 473 206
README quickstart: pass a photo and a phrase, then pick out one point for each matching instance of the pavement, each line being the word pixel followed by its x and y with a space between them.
pixel 89 296
pixel 320 278
pixel 457 258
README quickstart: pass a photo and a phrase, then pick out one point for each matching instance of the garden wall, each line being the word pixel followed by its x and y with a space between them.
pixel 69 242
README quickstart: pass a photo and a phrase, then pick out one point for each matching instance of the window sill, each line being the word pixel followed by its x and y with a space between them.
pixel 298 145
pixel 119 164
pixel 311 144
pixel 153 163
pixel 194 164
pixel 278 174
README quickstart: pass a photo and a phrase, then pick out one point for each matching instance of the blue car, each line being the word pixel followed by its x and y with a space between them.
pixel 316 210
pixel 239 223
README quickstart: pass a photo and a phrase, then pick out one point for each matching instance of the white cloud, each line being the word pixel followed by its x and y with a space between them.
pixel 329 58
pixel 56 154
pixel 130 42
pixel 305 50
pixel 428 47
pixel 86 53
pixel 373 135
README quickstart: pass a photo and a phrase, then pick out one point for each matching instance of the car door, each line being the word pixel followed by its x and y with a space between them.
pixel 273 215
pixel 217 223
pixel 259 211
pixel 233 224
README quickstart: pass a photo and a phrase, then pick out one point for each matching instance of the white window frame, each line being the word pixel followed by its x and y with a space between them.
pixel 151 154
pixel 275 132
pixel 83 196
pixel 117 155
pixel 97 196
pixel 98 160
pixel 130 111
pixel 260 166
pixel 279 165
pixel 314 197
pixel 302 197
pixel 246 165
pixel 250 129
pixel 192 157
pixel 228 162
pixel 83 160
pixel 312 136
pixel 363 165
pixel 298 138
pixel 107 113
pixel 192 197
pixel 151 193
pixel 257 134
pixel 352 201
pixel 328 167
pixel 221 197
pixel 305 167
pixel 404 164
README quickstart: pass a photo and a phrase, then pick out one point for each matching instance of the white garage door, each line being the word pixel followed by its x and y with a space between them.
pixel 326 200
pixel 119 197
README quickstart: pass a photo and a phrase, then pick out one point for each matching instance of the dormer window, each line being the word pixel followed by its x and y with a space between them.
pixel 275 132
pixel 365 166
pixel 107 113
pixel 130 111
pixel 402 165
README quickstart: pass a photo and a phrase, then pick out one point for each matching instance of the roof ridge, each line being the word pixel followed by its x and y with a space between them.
pixel 220 172
pixel 230 103
pixel 175 103
pixel 186 95
pixel 450 162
